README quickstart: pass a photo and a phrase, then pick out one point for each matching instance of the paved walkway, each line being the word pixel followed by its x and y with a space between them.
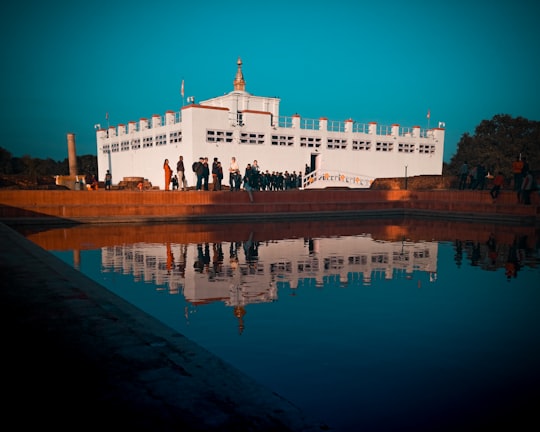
pixel 76 356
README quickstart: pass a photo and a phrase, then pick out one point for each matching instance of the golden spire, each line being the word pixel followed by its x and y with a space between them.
pixel 239 83
pixel 239 312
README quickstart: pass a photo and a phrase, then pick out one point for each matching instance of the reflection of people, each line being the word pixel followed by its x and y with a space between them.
pixel 492 248
pixel 458 257
pixel 251 249
pixel 168 173
pixel 199 263
pixel 475 253
pixel 182 260
pixel 217 257
pixel 170 259
pixel 233 255
pixel 203 258
pixel 512 262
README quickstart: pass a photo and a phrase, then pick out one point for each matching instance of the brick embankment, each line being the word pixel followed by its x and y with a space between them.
pixel 75 355
pixel 134 206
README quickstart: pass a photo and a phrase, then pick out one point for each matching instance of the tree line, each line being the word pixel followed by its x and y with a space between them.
pixel 34 168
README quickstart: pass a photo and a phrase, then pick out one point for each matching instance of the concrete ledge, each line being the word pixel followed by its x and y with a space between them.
pixel 129 206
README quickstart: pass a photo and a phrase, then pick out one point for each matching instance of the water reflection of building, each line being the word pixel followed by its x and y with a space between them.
pixel 241 273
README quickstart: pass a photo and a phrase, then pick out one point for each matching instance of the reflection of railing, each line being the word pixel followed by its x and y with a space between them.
pixel 320 179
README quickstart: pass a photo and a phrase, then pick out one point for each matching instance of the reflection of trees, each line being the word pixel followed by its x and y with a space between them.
pixel 458 257
pixel 492 255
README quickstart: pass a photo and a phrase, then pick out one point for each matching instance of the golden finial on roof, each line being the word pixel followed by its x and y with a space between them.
pixel 239 83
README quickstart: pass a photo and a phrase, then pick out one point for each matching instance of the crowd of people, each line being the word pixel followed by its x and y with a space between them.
pixel 251 178
pixel 522 182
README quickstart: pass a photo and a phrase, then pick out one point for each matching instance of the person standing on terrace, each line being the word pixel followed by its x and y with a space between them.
pixel 234 170
pixel 498 183
pixel 463 175
pixel 168 174
pixel 180 171
pixel 517 169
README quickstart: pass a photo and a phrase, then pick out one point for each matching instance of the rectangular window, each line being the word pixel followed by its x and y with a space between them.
pixel 336 143
pixel 148 142
pixel 361 145
pixel 379 258
pixel 161 140
pixel 281 267
pixel 426 148
pixel 308 265
pixel 310 142
pixel 175 137
pixel 358 259
pixel 219 136
pixel 282 140
pixel 334 263
pixel 251 138
pixel 136 144
pixel 405 148
pixel 384 146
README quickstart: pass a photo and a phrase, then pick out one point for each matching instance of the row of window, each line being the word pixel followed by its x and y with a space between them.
pixel 135 144
pixel 223 136
pixel 287 266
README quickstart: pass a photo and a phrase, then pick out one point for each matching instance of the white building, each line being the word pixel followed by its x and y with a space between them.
pixel 249 127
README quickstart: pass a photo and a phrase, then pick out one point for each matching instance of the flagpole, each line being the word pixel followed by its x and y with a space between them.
pixel 182 93
pixel 428 117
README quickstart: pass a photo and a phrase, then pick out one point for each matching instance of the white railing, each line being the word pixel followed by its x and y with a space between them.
pixel 310 124
pixel 285 122
pixel 360 128
pixel 321 179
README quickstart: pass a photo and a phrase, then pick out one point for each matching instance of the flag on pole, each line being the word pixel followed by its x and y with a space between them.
pixel 106 116
pixel 182 89
pixel 428 114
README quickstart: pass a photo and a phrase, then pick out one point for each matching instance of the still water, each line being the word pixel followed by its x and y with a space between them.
pixel 365 325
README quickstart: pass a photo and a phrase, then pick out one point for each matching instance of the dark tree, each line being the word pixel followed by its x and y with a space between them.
pixel 35 167
pixel 497 142
pixel 6 166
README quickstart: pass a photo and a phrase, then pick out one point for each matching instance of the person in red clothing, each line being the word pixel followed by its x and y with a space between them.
pixel 517 170
pixel 498 183
pixel 168 174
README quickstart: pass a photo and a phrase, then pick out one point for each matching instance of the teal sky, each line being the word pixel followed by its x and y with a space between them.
pixel 66 64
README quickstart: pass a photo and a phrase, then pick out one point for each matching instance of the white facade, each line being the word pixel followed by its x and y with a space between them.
pixel 248 127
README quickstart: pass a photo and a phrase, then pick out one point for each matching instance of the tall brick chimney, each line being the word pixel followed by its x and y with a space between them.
pixel 72 154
